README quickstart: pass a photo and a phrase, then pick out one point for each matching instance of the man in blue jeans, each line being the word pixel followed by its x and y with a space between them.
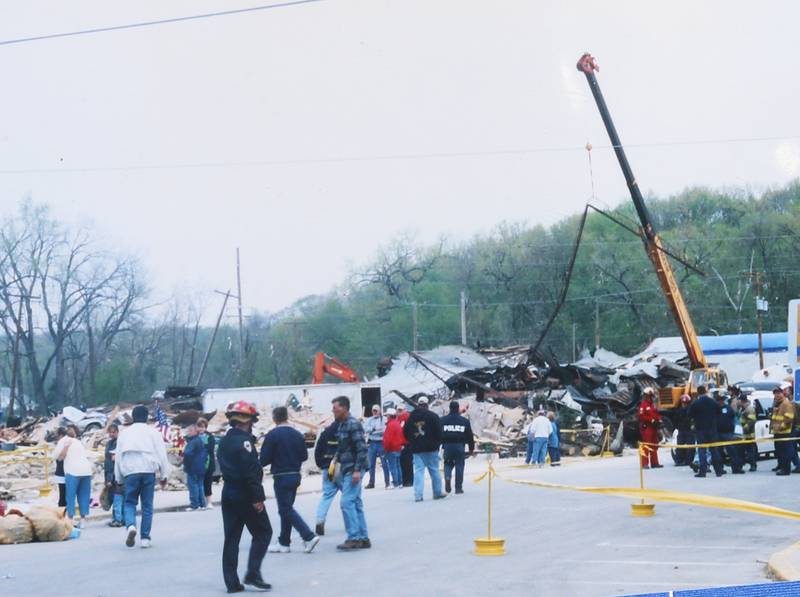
pixel 423 431
pixel 351 457
pixel 374 428
pixel 141 456
pixel 324 452
pixel 284 451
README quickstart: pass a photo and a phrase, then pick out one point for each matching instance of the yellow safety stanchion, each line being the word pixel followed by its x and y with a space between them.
pixel 489 546
pixel 642 509
pixel 45 490
pixel 606 451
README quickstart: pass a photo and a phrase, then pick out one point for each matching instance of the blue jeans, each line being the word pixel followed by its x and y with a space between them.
pixel 529 451
pixel 430 461
pixel 140 486
pixel 539 450
pixel 329 491
pixel 375 451
pixel 708 437
pixel 285 486
pixel 116 507
pixel 80 487
pixel 197 496
pixel 353 509
pixel 393 460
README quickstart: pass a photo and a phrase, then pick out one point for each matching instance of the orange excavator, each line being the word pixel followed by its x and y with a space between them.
pixel 325 364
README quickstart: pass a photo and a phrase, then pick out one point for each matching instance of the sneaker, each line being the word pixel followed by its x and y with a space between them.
pixel 310 544
pixel 349 545
pixel 459 490
pixel 447 487
pixel 130 539
pixel 209 505
pixel 417 499
pixel 145 543
pixel 190 509
pixel 364 544
pixel 440 497
pixel 369 486
pixel 278 548
pixel 257 582
pixel 320 528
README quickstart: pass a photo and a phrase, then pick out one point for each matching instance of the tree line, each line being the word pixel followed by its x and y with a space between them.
pixel 81 322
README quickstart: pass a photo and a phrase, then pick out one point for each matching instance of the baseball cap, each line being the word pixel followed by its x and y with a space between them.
pixel 422 400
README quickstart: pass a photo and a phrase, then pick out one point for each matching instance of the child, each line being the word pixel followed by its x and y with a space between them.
pixel 115 490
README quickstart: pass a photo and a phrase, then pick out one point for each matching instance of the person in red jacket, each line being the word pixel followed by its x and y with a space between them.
pixel 393 442
pixel 649 421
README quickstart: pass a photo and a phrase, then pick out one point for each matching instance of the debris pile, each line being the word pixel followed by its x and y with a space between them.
pixel 41 523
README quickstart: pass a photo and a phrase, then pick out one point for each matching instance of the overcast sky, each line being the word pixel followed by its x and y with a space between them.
pixel 309 135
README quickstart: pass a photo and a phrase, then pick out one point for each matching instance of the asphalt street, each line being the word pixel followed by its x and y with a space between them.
pixel 558 542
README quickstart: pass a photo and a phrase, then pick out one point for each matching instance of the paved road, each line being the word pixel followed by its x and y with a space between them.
pixel 559 543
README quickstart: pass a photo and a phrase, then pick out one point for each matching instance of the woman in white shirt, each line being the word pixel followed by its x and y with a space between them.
pixel 77 474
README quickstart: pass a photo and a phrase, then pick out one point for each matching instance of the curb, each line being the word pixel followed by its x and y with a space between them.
pixel 783 564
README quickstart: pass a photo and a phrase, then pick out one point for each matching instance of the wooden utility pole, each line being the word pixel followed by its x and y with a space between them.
pixel 213 337
pixel 414 326
pixel 762 306
pixel 239 299
pixel 464 317
pixel 596 324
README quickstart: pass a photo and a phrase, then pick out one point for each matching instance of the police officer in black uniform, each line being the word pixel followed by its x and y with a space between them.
pixel 456 431
pixel 242 498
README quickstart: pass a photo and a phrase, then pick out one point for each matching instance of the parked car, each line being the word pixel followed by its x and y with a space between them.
pixel 85 421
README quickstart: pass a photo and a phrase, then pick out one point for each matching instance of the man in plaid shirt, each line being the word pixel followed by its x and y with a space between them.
pixel 351 455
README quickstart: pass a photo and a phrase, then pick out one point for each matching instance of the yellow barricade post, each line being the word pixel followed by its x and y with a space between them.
pixel 489 546
pixel 45 490
pixel 606 450
pixel 642 509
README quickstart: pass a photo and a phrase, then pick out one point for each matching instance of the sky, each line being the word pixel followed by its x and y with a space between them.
pixel 310 135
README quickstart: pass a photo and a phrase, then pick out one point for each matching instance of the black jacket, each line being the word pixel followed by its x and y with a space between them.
pixel 326 446
pixel 284 450
pixel 725 419
pixel 423 431
pixel 238 461
pixel 457 430
pixel 682 420
pixel 704 413
pixel 108 462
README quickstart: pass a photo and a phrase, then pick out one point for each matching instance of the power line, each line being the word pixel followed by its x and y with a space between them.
pixel 365 158
pixel 222 13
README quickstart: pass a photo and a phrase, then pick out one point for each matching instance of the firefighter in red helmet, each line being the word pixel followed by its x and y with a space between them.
pixel 649 422
pixel 242 498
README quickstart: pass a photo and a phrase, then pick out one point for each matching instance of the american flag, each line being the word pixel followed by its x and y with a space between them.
pixel 163 424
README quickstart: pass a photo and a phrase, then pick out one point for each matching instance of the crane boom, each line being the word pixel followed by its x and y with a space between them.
pixel 652 241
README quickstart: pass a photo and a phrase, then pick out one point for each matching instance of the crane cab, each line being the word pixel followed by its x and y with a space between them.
pixel 669 397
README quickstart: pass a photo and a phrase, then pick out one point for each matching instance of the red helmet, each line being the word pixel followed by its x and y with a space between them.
pixel 242 410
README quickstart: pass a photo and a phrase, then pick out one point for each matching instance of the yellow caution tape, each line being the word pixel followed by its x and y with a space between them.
pixel 651 445
pixel 678 497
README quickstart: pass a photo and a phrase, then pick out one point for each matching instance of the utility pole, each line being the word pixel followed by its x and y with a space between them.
pixel 762 306
pixel 213 337
pixel 464 317
pixel 239 299
pixel 414 326
pixel 574 356
pixel 596 324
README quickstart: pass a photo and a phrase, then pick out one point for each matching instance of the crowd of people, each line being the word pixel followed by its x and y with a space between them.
pixel 723 415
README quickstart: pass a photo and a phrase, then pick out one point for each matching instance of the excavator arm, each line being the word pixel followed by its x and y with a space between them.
pixel 324 364
pixel 652 241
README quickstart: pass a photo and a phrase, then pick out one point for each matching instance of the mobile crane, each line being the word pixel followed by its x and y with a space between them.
pixel 701 373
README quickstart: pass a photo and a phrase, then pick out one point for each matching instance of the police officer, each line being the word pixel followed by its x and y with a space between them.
pixel 683 424
pixel 242 498
pixel 456 431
